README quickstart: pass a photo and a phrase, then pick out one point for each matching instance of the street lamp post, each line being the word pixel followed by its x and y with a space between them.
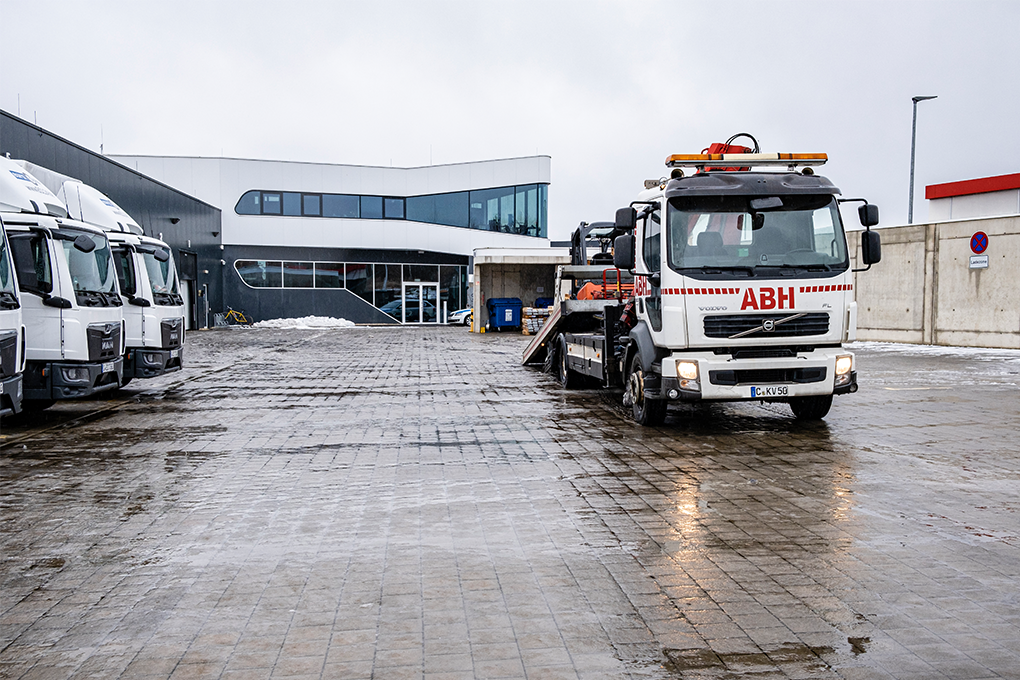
pixel 913 139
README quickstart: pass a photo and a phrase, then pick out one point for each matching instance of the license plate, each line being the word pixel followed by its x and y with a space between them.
pixel 107 367
pixel 770 391
pixel 174 353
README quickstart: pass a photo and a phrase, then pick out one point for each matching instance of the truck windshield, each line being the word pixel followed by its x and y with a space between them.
pixel 752 234
pixel 162 275
pixel 91 272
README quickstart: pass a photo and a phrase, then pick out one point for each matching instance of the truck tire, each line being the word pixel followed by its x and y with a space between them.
pixel 645 411
pixel 568 379
pixel 811 408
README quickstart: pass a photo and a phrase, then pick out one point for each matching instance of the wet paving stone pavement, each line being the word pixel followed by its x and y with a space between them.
pixel 412 503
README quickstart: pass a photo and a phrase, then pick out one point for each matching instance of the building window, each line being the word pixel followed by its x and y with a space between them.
pixel 329 275
pixel 260 273
pixel 511 210
pixel 310 205
pixel 371 207
pixel 393 208
pixel 291 203
pixel 249 204
pixel 271 204
pixel 423 273
pixel 298 275
pixel 340 205
pixel 359 280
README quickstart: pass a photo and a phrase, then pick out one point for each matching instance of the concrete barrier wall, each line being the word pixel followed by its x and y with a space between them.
pixel 924 291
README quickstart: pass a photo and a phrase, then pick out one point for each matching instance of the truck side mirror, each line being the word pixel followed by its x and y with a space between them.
pixel 869 215
pixel 626 218
pixel 871 245
pixel 84 243
pixel 623 250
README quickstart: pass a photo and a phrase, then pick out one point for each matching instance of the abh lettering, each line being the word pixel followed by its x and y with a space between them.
pixel 768 298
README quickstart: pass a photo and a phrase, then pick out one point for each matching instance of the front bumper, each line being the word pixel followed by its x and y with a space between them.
pixel 11 395
pixel 58 380
pixel 147 362
pixel 723 378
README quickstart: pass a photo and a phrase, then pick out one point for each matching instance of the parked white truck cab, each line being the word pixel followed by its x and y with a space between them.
pixel 147 277
pixel 71 304
pixel 12 333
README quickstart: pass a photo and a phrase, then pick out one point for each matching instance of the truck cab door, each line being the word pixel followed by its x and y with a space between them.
pixel 33 261
pixel 650 294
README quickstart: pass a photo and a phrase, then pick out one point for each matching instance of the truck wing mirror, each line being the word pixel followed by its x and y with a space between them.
pixel 58 302
pixel 84 243
pixel 869 215
pixel 871 245
pixel 623 250
pixel 626 218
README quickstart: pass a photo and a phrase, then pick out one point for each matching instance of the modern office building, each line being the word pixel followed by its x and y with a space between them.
pixel 368 244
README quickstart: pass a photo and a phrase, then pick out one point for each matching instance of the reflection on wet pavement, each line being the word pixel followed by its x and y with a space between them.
pixel 411 502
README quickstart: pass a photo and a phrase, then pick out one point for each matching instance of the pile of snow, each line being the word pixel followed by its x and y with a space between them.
pixel 305 322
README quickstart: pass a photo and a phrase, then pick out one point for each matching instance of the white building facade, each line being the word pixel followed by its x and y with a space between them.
pixel 369 244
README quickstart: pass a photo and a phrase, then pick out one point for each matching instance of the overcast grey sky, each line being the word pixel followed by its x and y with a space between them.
pixel 608 89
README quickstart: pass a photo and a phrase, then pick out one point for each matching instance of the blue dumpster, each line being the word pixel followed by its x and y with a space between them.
pixel 504 313
pixel 543 302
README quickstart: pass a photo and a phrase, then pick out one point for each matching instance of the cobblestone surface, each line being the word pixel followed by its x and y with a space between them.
pixel 412 503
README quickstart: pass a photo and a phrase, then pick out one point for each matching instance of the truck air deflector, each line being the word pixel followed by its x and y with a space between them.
pixel 749 184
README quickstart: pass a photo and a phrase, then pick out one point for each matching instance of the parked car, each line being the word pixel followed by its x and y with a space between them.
pixel 461 316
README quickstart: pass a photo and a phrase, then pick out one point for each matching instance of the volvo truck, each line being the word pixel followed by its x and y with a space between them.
pixel 147 277
pixel 741 289
pixel 71 304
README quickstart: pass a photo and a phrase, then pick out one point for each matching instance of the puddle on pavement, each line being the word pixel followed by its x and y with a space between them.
pixel 791 659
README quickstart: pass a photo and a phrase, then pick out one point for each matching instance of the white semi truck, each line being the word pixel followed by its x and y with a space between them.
pixel 71 304
pixel 154 310
pixel 742 289
pixel 12 333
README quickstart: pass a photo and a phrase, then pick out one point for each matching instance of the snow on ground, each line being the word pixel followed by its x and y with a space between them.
pixel 937 350
pixel 306 322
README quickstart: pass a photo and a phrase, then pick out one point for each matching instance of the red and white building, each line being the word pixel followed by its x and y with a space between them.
pixel 973 198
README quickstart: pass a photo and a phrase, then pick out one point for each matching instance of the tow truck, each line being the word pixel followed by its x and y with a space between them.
pixel 742 289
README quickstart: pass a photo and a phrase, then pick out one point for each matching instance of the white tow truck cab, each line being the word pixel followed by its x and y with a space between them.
pixel 147 277
pixel 71 304
pixel 12 333
pixel 742 289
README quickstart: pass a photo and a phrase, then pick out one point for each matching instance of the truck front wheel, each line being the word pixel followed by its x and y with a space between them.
pixel 811 408
pixel 645 411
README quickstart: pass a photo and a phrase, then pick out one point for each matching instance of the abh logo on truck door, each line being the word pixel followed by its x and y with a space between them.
pixel 768 298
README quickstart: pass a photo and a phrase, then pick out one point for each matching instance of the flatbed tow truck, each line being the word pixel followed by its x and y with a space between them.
pixel 730 284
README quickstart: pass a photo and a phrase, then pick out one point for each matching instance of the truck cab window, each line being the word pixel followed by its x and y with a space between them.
pixel 32 262
pixel 651 247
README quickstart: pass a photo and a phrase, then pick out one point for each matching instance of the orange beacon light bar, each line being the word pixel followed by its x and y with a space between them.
pixel 700 160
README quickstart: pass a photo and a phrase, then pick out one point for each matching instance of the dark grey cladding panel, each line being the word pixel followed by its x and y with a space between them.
pixel 183 221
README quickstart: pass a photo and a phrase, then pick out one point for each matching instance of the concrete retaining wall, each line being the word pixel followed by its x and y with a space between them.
pixel 924 291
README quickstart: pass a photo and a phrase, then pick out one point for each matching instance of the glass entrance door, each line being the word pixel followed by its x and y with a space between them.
pixel 420 303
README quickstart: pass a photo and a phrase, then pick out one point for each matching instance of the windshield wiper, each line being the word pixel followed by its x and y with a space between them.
pixel 719 269
pixel 807 267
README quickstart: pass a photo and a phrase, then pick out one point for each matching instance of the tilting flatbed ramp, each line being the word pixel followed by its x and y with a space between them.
pixel 535 352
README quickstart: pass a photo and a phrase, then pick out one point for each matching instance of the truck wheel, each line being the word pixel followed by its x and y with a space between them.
pixel 645 411
pixel 567 377
pixel 811 408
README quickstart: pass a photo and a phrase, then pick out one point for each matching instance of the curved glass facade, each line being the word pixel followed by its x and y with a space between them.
pixel 510 210
pixel 379 284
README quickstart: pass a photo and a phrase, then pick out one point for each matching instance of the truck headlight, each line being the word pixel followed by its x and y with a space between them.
pixel 73 374
pixel 844 364
pixel 687 370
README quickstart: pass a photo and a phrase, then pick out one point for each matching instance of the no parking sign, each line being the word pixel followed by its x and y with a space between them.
pixel 979 244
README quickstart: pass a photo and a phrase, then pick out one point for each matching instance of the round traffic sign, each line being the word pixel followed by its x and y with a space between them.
pixel 979 242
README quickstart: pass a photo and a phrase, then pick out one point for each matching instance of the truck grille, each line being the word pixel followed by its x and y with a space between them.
pixel 104 341
pixel 728 326
pixel 172 331
pixel 8 354
pixel 765 376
